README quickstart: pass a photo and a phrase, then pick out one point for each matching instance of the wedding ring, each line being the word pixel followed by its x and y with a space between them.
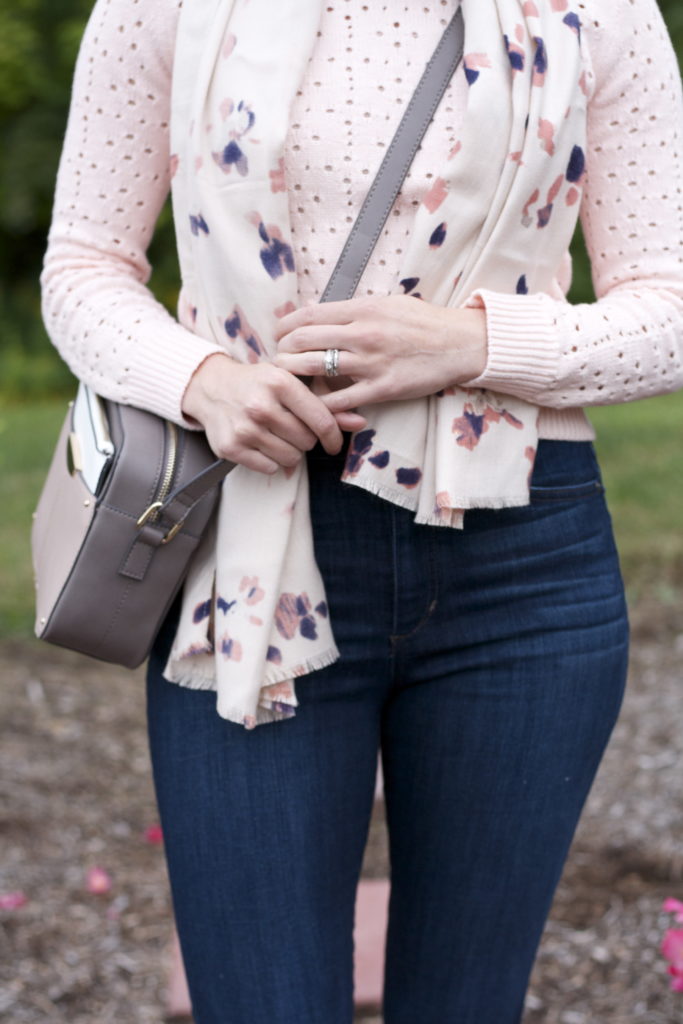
pixel 331 362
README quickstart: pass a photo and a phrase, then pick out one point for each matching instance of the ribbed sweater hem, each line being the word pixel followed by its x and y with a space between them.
pixel 162 373
pixel 523 355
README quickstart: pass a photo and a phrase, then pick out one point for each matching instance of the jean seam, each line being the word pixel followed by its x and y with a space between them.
pixel 431 607
pixel 394 571
pixel 576 493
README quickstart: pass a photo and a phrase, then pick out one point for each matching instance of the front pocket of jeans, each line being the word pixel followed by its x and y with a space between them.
pixel 572 492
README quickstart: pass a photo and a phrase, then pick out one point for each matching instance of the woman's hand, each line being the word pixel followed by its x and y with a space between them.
pixel 390 347
pixel 260 415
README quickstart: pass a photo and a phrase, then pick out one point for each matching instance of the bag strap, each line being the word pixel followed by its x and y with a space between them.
pixel 397 159
pixel 363 235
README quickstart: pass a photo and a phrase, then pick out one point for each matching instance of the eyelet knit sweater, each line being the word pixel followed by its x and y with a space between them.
pixel 114 176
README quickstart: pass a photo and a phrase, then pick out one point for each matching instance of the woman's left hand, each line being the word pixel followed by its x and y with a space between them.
pixel 390 347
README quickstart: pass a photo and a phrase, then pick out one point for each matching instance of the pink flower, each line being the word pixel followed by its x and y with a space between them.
pixel 672 944
pixel 153 834
pixel 672 947
pixel 672 950
pixel 673 906
pixel 12 900
pixel 97 880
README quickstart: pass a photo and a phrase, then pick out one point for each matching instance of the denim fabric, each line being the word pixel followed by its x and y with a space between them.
pixel 488 665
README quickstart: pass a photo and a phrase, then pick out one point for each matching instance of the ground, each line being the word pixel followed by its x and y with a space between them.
pixel 75 790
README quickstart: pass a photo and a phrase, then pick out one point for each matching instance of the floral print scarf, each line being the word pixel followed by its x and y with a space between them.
pixel 254 613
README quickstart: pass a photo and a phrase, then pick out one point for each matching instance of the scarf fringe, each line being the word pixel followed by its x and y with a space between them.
pixel 266 710
pixel 469 504
pixel 383 491
pixel 281 675
pixel 191 677
pixel 513 501
pixel 436 518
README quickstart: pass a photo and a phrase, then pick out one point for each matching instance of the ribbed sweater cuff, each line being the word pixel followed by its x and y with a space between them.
pixel 163 371
pixel 523 343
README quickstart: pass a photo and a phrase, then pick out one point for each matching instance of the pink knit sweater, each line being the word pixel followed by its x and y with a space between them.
pixel 114 176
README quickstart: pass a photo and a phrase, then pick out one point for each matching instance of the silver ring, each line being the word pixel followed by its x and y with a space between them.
pixel 331 362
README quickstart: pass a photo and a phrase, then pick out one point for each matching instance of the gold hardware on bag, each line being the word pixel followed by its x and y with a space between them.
pixel 149 513
pixel 74 457
pixel 172 532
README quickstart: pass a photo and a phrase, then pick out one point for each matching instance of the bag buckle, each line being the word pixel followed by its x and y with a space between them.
pixel 150 513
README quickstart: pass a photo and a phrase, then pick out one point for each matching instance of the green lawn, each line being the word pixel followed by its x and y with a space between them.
pixel 28 434
pixel 640 447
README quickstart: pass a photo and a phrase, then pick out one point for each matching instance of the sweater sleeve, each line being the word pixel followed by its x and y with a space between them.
pixel 629 343
pixel 112 181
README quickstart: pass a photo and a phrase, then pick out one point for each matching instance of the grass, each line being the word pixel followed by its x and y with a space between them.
pixel 27 437
pixel 640 449
pixel 639 445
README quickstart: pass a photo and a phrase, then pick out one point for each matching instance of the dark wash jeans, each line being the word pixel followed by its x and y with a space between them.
pixel 489 667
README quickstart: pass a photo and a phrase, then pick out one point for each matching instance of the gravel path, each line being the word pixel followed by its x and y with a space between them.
pixel 75 790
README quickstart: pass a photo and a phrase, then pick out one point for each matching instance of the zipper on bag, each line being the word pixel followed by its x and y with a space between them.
pixel 151 513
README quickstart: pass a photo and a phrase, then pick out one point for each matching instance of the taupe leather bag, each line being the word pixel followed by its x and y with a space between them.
pixel 126 500
pixel 128 494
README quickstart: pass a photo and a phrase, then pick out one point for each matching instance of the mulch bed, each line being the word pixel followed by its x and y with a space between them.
pixel 76 791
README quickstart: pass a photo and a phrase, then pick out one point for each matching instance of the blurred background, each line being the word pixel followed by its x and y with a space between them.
pixel 74 776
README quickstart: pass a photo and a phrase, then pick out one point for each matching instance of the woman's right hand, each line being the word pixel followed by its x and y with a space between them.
pixel 261 416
